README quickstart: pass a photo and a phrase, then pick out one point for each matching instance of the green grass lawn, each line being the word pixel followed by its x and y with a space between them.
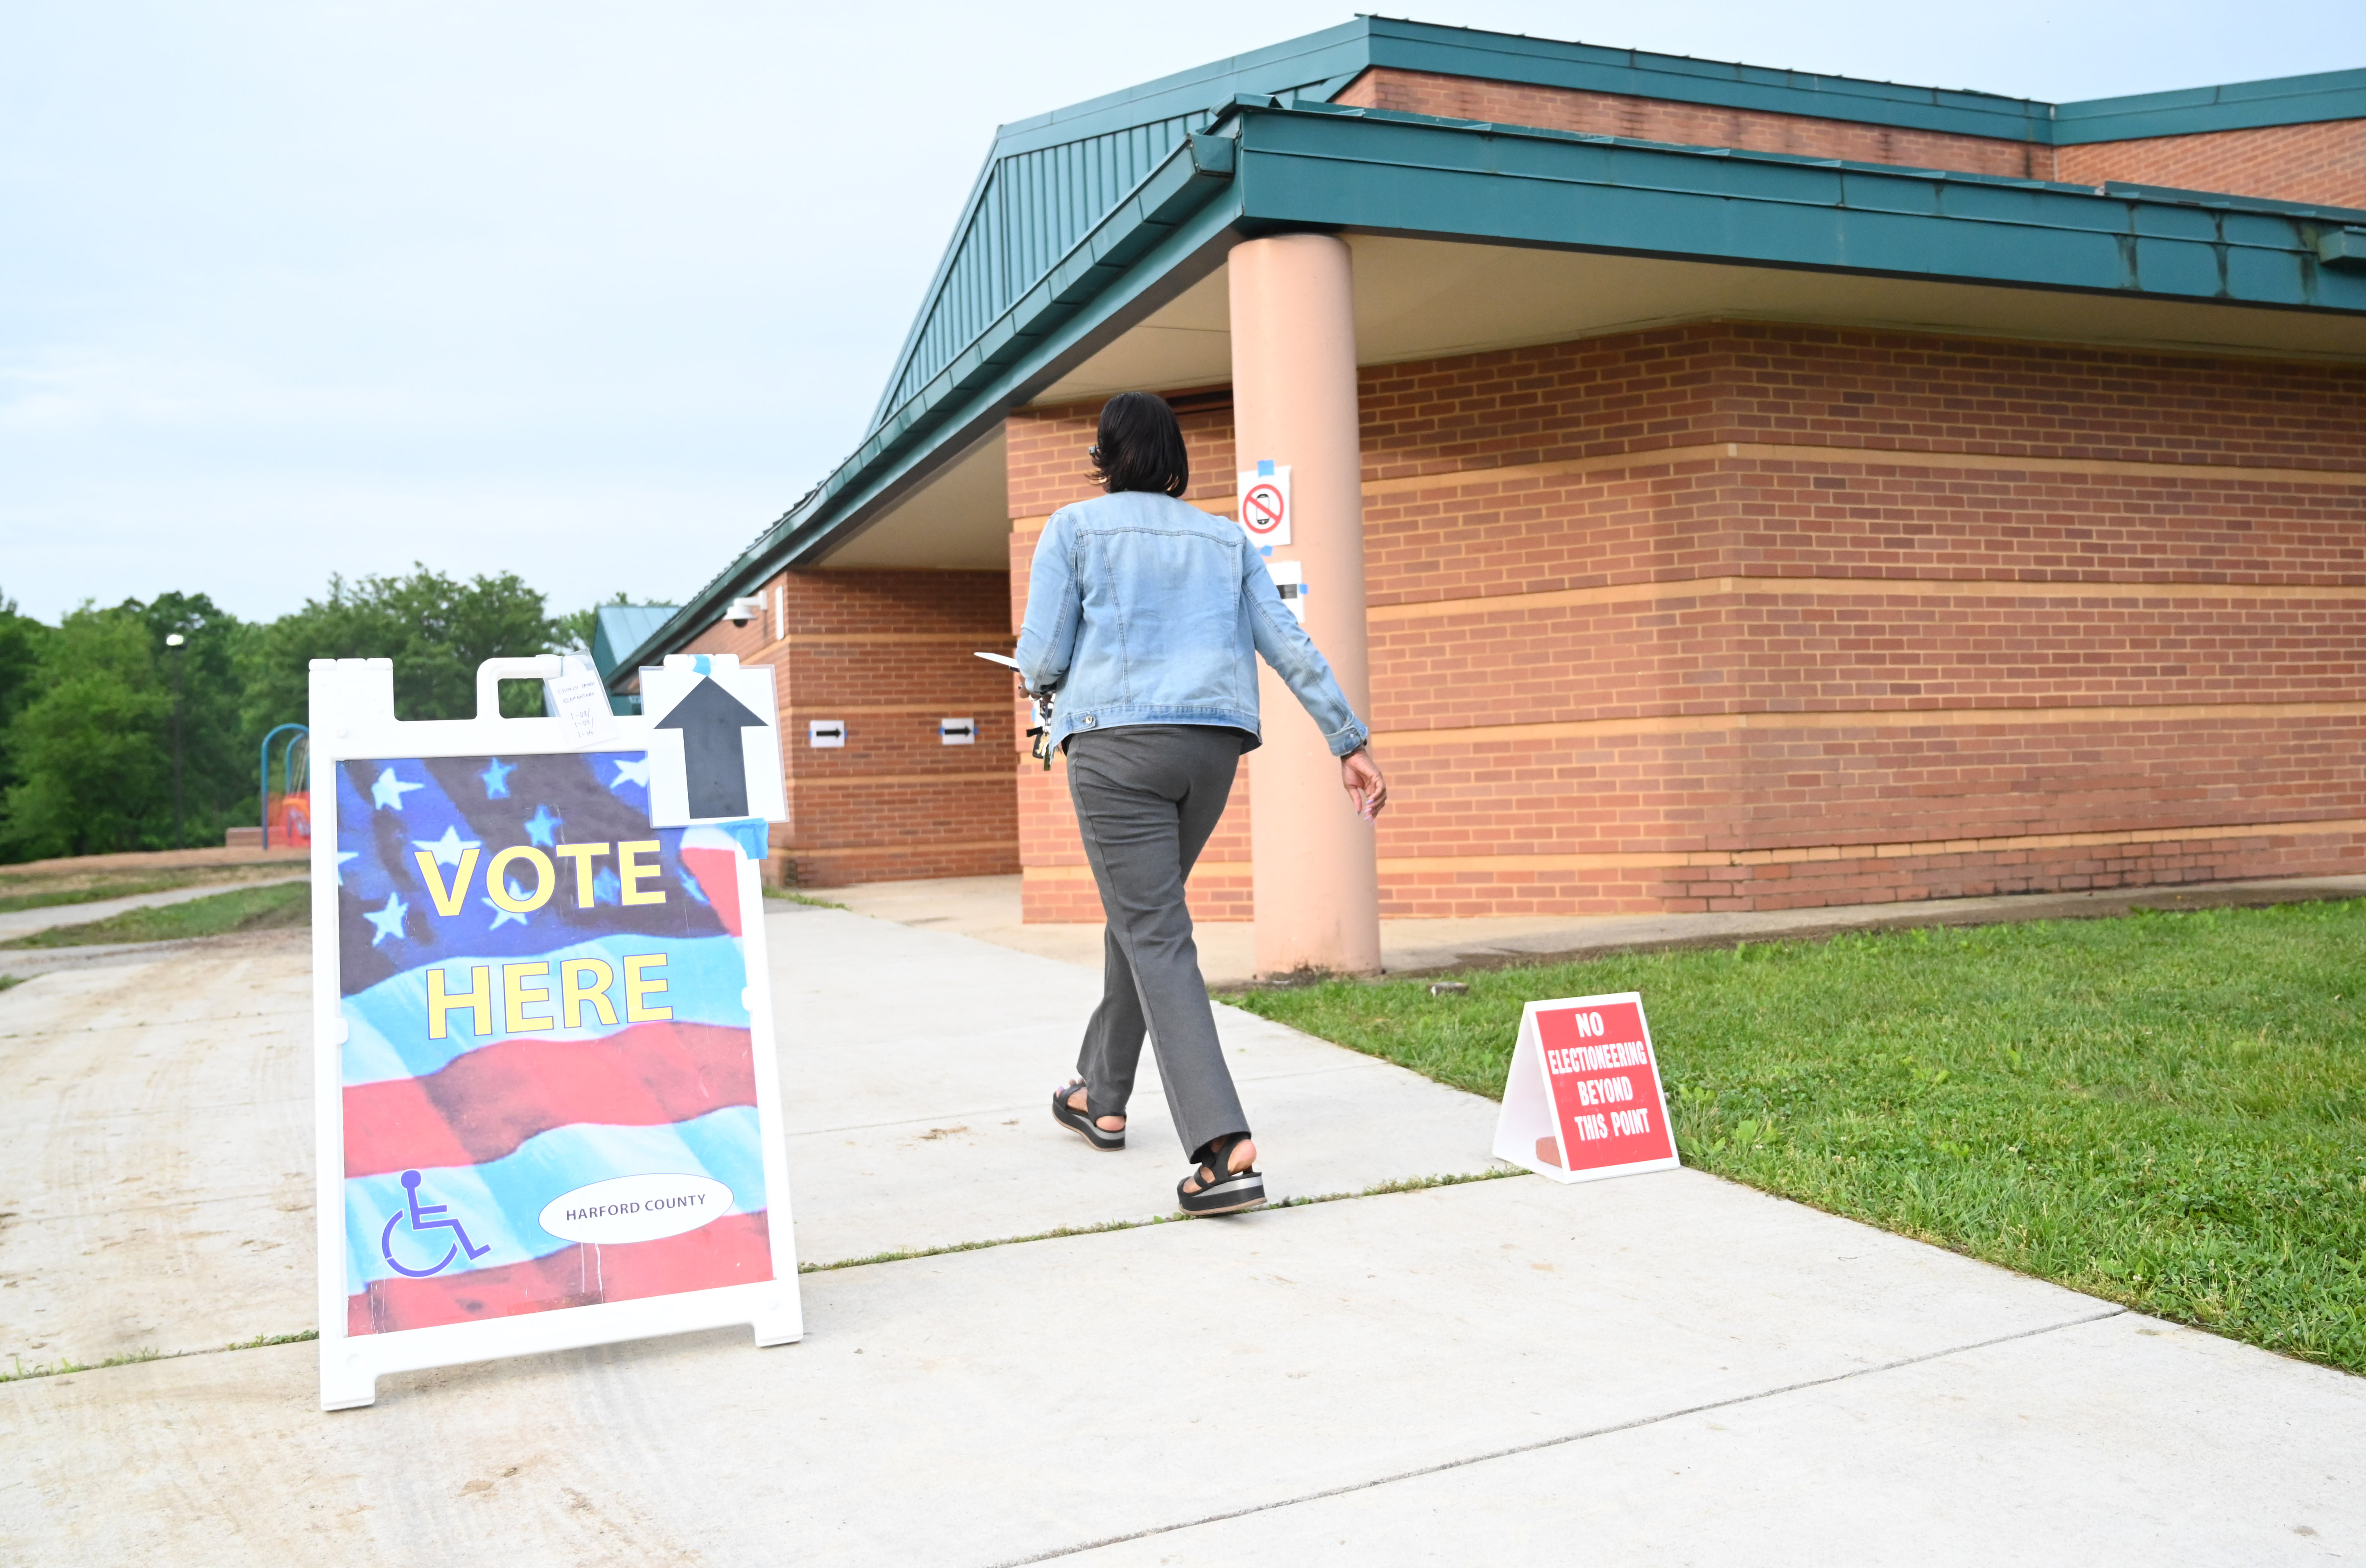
pixel 2164 1110
pixel 790 895
pixel 277 907
pixel 67 882
pixel 46 898
pixel 47 892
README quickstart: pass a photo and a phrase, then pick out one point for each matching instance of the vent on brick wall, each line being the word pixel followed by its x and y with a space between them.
pixel 1206 400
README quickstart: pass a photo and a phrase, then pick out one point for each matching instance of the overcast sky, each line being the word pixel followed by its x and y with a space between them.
pixel 590 292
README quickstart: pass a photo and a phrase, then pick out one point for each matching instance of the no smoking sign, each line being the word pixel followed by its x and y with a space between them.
pixel 1265 503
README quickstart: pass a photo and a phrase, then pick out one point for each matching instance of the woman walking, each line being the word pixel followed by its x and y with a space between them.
pixel 1144 619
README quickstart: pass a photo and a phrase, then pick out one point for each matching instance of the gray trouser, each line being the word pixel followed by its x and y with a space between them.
pixel 1147 797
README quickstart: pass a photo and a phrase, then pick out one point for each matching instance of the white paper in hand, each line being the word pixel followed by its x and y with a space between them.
pixel 582 703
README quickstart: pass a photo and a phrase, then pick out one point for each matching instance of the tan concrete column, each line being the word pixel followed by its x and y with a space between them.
pixel 1294 403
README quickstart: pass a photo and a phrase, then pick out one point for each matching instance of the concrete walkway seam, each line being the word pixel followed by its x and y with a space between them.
pixel 1103 1227
pixel 1034 1105
pixel 1064 1233
pixel 1615 1428
pixel 153 1023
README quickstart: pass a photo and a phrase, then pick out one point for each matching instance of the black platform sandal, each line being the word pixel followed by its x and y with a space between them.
pixel 1231 1191
pixel 1083 1121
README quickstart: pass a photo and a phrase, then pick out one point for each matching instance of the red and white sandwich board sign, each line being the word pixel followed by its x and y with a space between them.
pixel 1584 1100
pixel 1265 503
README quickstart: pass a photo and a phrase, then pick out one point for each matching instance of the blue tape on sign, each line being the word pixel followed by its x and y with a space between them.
pixel 754 836
pixel 1265 551
pixel 702 664
pixel 1265 467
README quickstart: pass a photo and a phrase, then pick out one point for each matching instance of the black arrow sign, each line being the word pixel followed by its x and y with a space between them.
pixel 714 763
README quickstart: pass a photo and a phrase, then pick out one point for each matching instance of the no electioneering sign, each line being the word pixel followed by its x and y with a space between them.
pixel 1584 1100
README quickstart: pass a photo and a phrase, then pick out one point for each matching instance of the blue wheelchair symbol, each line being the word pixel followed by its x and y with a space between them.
pixel 420 1222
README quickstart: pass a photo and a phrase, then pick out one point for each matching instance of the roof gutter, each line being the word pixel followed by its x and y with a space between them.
pixel 1380 171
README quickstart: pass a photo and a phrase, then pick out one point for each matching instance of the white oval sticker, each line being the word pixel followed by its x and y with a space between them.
pixel 636 1208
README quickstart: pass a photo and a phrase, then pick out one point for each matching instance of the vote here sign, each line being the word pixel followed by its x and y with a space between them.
pixel 549 1111
pixel 1584 1099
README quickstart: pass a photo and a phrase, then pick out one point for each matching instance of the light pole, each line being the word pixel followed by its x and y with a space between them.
pixel 175 642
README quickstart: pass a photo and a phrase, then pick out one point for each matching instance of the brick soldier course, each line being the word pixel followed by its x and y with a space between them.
pixel 1731 613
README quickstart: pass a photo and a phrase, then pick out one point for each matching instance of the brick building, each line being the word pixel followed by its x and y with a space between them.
pixel 1749 489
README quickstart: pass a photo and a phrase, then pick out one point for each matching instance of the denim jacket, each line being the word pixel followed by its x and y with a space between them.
pixel 1144 611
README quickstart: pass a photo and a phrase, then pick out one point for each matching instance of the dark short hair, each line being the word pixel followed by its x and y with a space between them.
pixel 1140 447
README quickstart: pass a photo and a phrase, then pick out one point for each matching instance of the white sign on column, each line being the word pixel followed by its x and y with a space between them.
pixel 1265 502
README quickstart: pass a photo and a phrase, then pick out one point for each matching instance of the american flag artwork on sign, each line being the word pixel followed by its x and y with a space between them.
pixel 549 1079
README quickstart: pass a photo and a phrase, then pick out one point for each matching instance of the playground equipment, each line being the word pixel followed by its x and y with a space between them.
pixel 296 805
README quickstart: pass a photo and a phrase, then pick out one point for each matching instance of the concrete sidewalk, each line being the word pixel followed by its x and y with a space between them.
pixel 1668 1369
pixel 987 908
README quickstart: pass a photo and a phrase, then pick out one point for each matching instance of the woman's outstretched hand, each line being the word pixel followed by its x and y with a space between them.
pixel 1365 786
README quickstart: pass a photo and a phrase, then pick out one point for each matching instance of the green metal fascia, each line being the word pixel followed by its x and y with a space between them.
pixel 1339 52
pixel 2173 196
pixel 2237 106
pixel 1545 62
pixel 1405 175
pixel 1172 217
pixel 1327 60
pixel 1458 51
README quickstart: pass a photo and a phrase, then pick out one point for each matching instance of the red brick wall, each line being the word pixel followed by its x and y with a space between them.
pixel 1826 386
pixel 1736 616
pixel 1596 823
pixel 1699 125
pixel 888 653
pixel 2322 162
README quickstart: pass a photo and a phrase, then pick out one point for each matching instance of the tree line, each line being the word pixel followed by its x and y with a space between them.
pixel 88 707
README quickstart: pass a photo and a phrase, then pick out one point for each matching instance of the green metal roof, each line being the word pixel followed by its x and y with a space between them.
pixel 1086 218
pixel 618 629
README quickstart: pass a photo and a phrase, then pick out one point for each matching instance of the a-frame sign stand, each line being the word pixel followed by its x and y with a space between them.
pixel 547 1106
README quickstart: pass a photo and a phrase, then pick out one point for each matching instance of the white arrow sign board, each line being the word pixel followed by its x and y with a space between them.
pixel 712 710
